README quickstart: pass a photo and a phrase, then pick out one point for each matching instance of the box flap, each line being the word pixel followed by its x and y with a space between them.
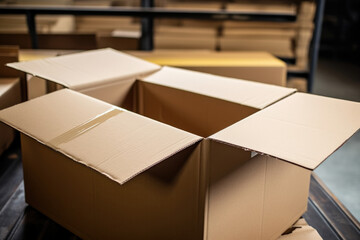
pixel 113 141
pixel 6 84
pixel 303 129
pixel 252 94
pixel 86 69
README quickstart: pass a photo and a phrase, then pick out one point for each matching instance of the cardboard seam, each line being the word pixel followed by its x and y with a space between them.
pixel 282 98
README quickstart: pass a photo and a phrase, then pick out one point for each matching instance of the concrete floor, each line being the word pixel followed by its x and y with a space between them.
pixel 341 171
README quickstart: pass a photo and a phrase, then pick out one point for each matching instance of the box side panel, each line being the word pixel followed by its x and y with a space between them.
pixel 58 187
pixel 119 93
pixel 161 203
pixel 236 194
pixel 191 112
pixel 36 87
pixel 286 193
pixel 9 98
pixel 270 75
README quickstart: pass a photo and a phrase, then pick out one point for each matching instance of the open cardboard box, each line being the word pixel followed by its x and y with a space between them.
pixel 105 172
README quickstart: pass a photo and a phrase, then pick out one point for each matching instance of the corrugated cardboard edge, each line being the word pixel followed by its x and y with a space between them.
pixel 262 153
pixel 63 82
pixel 93 167
pixel 91 85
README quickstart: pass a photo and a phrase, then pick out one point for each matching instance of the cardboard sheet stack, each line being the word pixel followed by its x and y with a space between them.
pixel 173 153
pixel 187 34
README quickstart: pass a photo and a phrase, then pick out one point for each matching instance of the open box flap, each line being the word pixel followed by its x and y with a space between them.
pixel 248 93
pixel 303 129
pixel 113 141
pixel 6 84
pixel 87 69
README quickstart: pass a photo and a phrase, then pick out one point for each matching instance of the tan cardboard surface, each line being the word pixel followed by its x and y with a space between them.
pixel 9 95
pixel 119 134
pixel 207 58
pixel 303 129
pixel 246 196
pixel 184 42
pixel 161 203
pixel 87 69
pixel 244 92
pixel 285 8
pixel 302 231
pixel 255 66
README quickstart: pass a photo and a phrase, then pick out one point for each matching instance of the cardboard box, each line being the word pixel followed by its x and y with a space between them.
pixel 278 47
pixel 120 40
pixel 8 54
pixel 208 181
pixel 260 32
pixel 255 66
pixel 263 7
pixel 10 95
pixel 301 231
pixel 185 42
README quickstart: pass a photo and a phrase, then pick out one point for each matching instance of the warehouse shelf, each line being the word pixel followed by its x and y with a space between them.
pixel 147 12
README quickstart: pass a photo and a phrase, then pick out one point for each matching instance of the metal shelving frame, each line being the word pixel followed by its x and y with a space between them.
pixel 147 13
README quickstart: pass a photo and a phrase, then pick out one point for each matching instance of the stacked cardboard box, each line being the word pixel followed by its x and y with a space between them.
pixel 10 93
pixel 168 37
pixel 183 170
pixel 187 34
pixel 255 66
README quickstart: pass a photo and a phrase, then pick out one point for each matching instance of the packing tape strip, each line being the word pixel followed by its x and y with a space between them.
pixel 83 128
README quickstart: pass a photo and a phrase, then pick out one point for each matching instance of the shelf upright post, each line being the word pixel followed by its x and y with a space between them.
pixel 147 28
pixel 31 24
pixel 315 43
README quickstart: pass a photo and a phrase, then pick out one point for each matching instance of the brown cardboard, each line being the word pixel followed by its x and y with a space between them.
pixel 120 40
pixel 279 47
pixel 82 71
pixel 184 42
pixel 280 8
pixel 301 231
pixel 255 66
pixel 311 122
pixel 301 129
pixel 8 54
pixel 78 180
pixel 10 95
pixel 146 172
